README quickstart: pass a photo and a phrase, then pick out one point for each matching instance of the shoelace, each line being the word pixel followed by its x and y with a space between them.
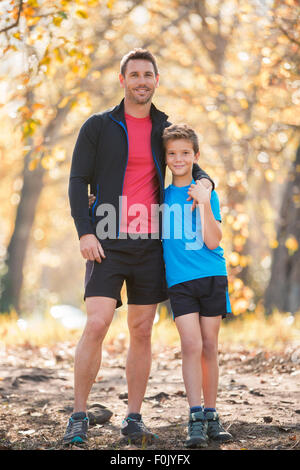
pixel 215 426
pixel 76 426
pixel 140 424
pixel 195 427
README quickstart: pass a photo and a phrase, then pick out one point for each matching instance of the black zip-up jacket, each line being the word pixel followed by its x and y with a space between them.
pixel 100 159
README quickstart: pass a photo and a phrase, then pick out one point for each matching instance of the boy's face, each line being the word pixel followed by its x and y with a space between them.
pixel 180 156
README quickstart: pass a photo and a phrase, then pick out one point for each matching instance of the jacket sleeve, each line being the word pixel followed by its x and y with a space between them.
pixel 198 173
pixel 82 170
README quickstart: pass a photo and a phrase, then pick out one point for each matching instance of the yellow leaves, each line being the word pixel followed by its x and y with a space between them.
pixel 239 242
pixel 59 154
pixel 64 102
pixel 17 35
pixel 45 60
pixel 33 21
pixel 82 14
pixel 296 200
pixel 291 244
pixel 240 296
pixel 96 74
pixel 25 112
pixel 244 103
pixel 269 175
pixel 57 20
pixel 73 52
pixel 58 55
pixel 48 162
pixel 234 130
pixel 245 260
pixel 37 106
pixel 110 4
pixel 273 244
pixel 33 163
pixel 29 127
pixel 33 3
pixel 235 178
pixel 239 306
pixel 234 258
pixel 214 115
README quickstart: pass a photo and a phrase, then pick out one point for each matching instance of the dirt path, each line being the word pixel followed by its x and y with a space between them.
pixel 258 399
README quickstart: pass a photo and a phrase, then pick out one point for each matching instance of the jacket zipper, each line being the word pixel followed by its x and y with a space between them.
pixel 95 203
pixel 158 169
pixel 124 127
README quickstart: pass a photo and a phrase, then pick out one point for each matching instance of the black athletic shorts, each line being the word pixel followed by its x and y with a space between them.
pixel 206 295
pixel 138 262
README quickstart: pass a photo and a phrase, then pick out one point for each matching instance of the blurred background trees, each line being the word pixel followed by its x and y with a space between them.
pixel 229 68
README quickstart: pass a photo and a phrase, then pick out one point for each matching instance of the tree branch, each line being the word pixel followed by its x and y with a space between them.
pixel 17 20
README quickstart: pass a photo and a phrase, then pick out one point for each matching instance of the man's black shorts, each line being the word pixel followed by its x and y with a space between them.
pixel 206 295
pixel 138 262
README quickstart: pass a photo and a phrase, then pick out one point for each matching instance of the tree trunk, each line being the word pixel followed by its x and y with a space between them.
pixel 33 182
pixel 16 251
pixel 283 291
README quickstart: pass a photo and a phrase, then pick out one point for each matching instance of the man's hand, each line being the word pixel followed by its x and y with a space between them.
pixel 91 248
pixel 206 183
pixel 92 199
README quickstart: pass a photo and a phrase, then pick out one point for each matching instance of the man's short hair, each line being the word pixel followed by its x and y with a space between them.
pixel 181 131
pixel 138 54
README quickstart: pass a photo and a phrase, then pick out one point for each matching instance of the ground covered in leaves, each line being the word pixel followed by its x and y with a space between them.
pixel 257 399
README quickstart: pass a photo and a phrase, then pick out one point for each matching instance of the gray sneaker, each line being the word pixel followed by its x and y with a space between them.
pixel 76 432
pixel 134 429
pixel 197 430
pixel 215 429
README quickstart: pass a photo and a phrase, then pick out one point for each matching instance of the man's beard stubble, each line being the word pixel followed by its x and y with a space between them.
pixel 141 101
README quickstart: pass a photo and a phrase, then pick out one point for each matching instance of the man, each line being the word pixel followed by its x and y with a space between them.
pixel 120 154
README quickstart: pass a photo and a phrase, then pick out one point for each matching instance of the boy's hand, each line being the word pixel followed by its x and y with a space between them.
pixel 92 199
pixel 91 248
pixel 200 192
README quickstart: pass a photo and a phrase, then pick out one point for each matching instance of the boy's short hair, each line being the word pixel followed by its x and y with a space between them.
pixel 181 131
pixel 138 54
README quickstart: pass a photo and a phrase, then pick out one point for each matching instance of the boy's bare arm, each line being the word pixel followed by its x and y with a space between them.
pixel 211 229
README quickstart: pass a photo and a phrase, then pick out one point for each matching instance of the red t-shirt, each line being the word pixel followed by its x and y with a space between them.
pixel 141 184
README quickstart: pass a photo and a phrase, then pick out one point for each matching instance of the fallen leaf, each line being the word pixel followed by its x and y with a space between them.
pixel 27 433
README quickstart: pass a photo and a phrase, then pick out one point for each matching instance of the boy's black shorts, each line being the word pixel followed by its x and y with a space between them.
pixel 206 295
pixel 138 262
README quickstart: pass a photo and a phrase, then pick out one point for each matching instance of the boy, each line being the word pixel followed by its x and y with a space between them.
pixel 197 281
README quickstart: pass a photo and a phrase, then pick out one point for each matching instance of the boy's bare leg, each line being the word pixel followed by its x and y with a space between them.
pixel 191 348
pixel 138 365
pixel 100 311
pixel 210 327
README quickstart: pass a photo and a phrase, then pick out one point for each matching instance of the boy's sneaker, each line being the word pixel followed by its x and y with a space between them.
pixel 197 430
pixel 134 429
pixel 76 432
pixel 215 429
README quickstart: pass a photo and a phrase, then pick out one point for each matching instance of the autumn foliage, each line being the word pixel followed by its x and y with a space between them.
pixel 230 69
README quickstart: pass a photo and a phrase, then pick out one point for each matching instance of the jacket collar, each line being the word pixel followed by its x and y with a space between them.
pixel 155 114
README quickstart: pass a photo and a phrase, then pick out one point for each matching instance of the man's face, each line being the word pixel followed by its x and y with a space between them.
pixel 180 156
pixel 140 81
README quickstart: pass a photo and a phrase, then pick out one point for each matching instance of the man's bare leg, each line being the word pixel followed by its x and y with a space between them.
pixel 140 323
pixel 100 311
